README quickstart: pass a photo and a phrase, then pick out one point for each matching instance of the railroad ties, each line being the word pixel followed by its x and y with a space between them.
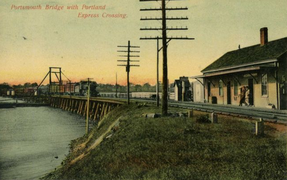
pixel 98 107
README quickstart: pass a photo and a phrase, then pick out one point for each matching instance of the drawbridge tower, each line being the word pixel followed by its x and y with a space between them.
pixel 55 79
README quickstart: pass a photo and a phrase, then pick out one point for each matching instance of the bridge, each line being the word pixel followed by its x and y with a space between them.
pixel 99 107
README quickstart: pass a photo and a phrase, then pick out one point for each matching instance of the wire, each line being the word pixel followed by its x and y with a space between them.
pixel 66 76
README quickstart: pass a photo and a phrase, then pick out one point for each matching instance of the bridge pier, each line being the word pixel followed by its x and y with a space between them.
pixel 98 108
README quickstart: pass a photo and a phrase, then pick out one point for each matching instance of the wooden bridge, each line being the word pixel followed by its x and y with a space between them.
pixel 98 107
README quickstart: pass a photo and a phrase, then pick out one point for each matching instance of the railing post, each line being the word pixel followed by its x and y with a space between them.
pixel 213 118
pixel 190 113
pixel 259 127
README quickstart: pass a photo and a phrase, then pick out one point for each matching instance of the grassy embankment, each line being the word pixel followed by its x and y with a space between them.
pixel 173 148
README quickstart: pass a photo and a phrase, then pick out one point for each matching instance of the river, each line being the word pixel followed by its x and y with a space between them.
pixel 35 140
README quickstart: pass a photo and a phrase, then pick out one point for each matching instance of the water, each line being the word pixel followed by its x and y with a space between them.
pixel 10 100
pixel 35 140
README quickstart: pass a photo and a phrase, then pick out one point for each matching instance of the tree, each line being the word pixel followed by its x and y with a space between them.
pixel 4 87
pixel 138 87
pixel 34 84
pixel 27 84
pixel 18 86
pixel 146 87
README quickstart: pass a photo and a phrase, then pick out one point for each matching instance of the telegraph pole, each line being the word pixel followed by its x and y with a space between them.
pixel 165 41
pixel 116 85
pixel 157 72
pixel 128 71
pixel 128 65
pixel 50 80
pixel 164 63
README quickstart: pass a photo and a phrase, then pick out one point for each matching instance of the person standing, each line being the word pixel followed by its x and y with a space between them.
pixel 247 96
pixel 242 96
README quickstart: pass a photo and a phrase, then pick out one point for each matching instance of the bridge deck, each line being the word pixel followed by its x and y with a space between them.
pixel 103 105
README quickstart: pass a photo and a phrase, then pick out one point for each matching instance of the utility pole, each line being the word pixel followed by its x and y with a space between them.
pixel 164 63
pixel 165 41
pixel 116 85
pixel 128 65
pixel 157 72
pixel 88 107
pixel 50 80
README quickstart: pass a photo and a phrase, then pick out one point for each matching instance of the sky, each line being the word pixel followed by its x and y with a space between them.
pixel 34 40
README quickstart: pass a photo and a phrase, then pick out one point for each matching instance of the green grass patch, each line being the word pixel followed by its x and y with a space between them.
pixel 176 148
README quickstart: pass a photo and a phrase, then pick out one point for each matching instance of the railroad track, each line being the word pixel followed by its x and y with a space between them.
pixel 269 115
pixel 246 112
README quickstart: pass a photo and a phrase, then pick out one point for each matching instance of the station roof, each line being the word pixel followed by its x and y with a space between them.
pixel 269 52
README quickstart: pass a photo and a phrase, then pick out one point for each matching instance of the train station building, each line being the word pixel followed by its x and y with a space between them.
pixel 249 76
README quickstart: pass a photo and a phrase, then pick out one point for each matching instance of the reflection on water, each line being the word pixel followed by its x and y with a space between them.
pixel 10 100
pixel 35 140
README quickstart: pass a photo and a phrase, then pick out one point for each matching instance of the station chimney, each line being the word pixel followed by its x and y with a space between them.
pixel 263 36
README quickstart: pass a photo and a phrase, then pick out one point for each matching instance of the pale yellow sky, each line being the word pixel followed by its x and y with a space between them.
pixel 88 47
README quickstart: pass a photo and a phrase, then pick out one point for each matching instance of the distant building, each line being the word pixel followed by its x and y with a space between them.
pixel 10 92
pixel 69 88
pixel 43 90
pixel 255 74
pixel 19 90
pixel 30 90
pixel 198 90
pixel 77 89
pixel 81 88
pixel 54 88
pixel 182 90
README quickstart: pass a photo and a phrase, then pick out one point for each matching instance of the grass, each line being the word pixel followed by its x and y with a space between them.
pixel 175 148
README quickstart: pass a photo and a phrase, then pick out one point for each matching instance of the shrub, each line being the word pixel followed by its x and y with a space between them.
pixel 203 119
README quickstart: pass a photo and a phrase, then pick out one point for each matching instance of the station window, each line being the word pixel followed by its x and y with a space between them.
pixel 235 88
pixel 264 88
pixel 220 88
pixel 208 89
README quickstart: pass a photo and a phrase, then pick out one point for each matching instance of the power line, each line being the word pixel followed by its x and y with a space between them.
pixel 165 39
pixel 128 65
